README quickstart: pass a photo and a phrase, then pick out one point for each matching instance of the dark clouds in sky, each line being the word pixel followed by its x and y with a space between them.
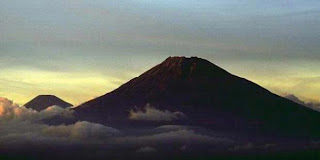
pixel 64 32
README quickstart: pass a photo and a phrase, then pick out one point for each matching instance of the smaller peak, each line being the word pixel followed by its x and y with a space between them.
pixel 47 97
pixel 291 96
pixel 43 101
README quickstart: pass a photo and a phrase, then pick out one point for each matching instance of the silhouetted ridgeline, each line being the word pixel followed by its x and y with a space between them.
pixel 207 95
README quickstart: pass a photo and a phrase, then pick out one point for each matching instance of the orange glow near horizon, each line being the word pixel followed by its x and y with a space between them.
pixel 21 85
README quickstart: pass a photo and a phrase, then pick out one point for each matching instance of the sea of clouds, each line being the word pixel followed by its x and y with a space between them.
pixel 24 131
pixel 27 133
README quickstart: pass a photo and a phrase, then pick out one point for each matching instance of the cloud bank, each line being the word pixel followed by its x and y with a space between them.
pixel 24 133
pixel 10 111
pixel 150 113
pixel 20 125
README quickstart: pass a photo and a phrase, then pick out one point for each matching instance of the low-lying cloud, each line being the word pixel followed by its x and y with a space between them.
pixel 20 125
pixel 150 113
pixel 178 137
pixel 81 130
pixel 10 111
pixel 23 132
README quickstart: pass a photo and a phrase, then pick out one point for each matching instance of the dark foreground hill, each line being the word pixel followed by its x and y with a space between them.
pixel 43 101
pixel 206 95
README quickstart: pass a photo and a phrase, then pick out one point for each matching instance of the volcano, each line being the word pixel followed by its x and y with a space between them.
pixel 207 95
pixel 41 102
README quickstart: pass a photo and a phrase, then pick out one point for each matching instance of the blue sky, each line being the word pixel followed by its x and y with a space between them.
pixel 80 49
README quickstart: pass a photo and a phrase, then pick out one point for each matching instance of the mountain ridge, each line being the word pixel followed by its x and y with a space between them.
pixel 41 102
pixel 206 93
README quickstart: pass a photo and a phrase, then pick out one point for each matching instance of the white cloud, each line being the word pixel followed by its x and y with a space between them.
pixel 150 113
pixel 19 124
pixel 81 130
pixel 166 128
pixel 10 111
pixel 18 121
pixel 179 137
pixel 22 129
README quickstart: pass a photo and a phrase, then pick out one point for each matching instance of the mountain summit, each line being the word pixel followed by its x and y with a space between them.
pixel 174 81
pixel 206 94
pixel 41 102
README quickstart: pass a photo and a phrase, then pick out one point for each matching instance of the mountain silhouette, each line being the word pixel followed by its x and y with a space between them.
pixel 41 102
pixel 312 105
pixel 208 96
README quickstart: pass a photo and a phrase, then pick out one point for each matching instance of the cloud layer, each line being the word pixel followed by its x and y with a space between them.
pixel 10 111
pixel 150 113
pixel 24 133
pixel 19 125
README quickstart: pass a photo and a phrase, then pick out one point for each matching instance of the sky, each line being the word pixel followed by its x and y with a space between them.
pixel 81 49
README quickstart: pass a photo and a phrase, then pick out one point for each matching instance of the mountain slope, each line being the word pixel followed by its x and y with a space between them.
pixel 207 95
pixel 43 101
